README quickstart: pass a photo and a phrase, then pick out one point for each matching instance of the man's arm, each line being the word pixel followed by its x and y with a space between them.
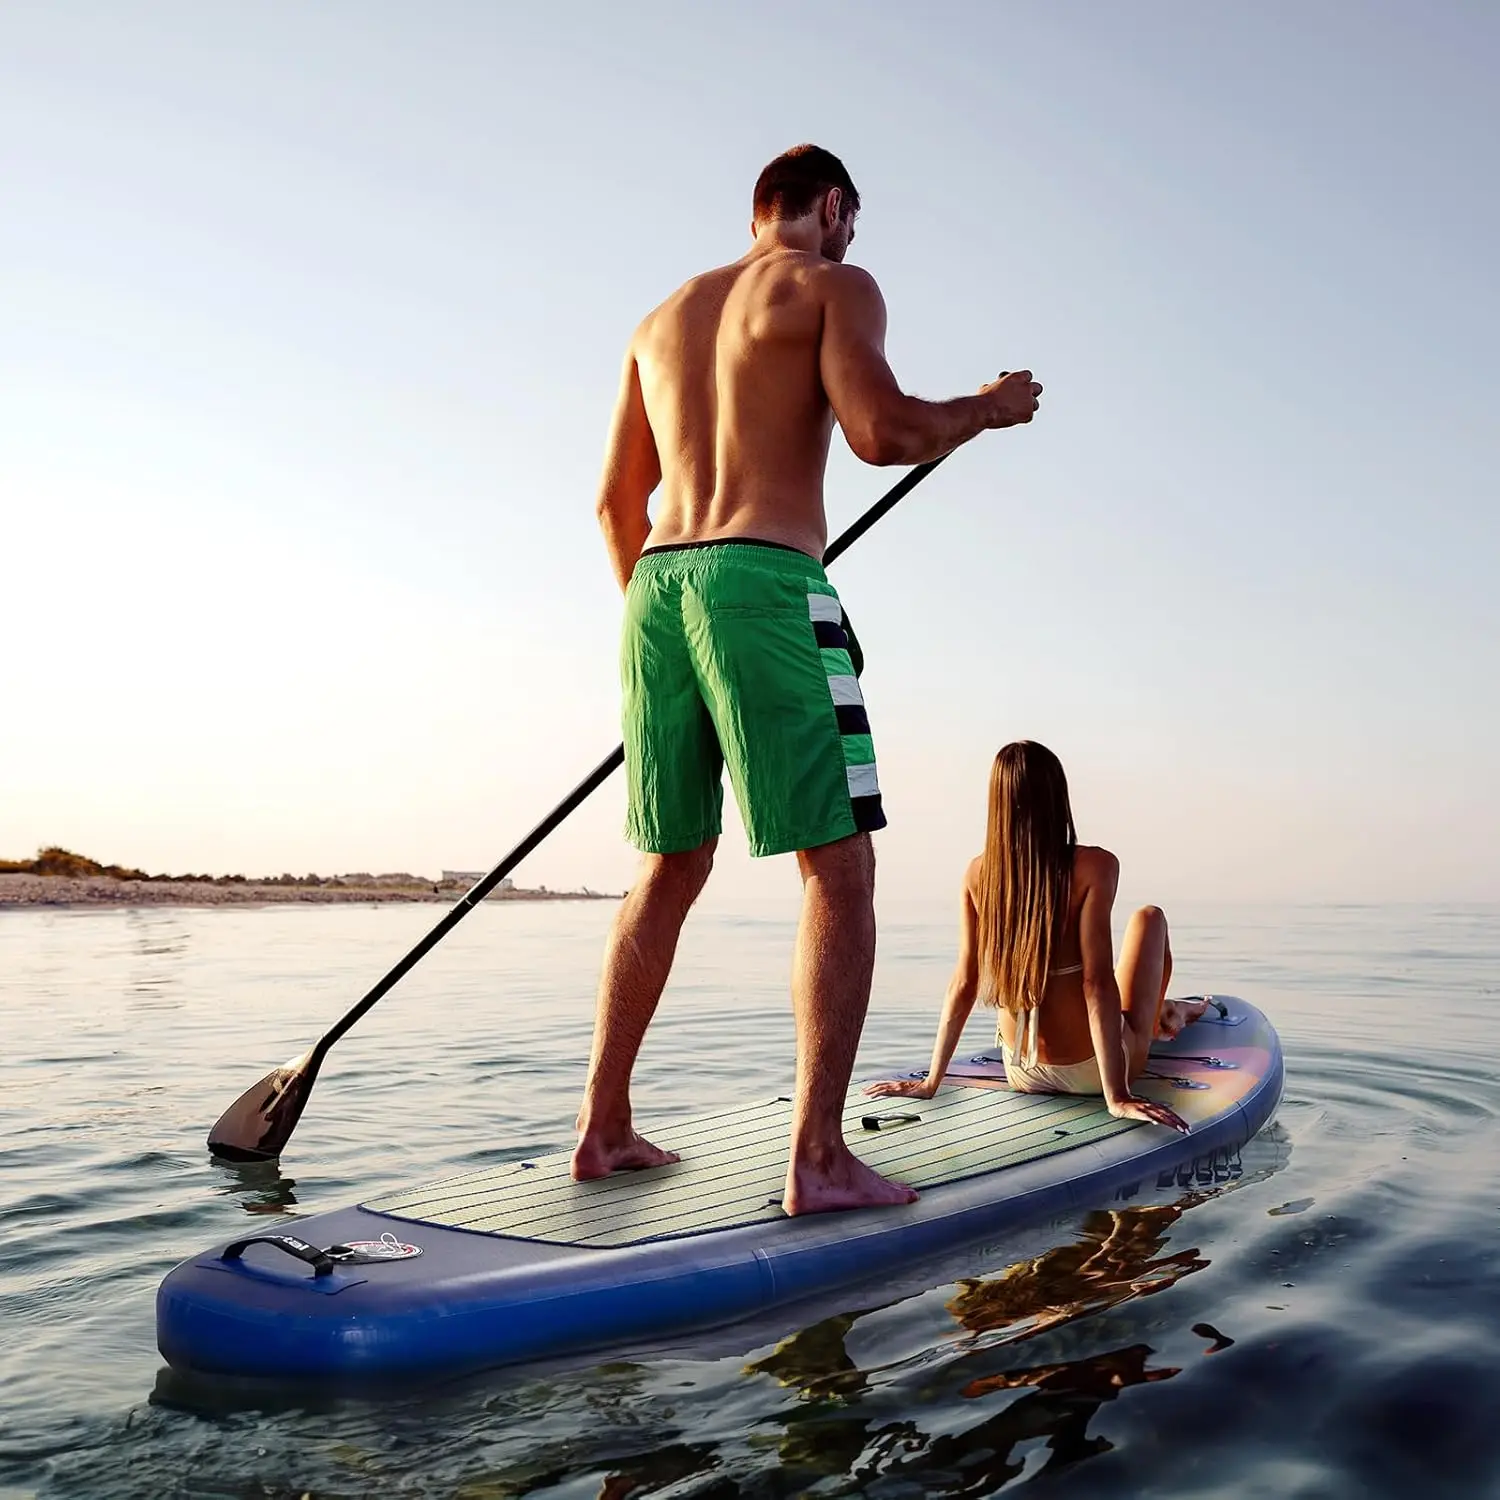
pixel 632 469
pixel 883 425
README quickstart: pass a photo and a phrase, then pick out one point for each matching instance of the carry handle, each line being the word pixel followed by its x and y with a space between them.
pixel 319 1260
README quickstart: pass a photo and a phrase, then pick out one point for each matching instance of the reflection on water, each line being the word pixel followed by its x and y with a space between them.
pixel 260 1186
pixel 1121 1254
pixel 1217 1341
pixel 975 1455
pixel 1296 1206
pixel 658 1470
pixel 1063 1401
pixel 1318 1321
pixel 1116 1259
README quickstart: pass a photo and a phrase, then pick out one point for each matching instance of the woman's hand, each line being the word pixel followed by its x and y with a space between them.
pixel 1133 1108
pixel 901 1088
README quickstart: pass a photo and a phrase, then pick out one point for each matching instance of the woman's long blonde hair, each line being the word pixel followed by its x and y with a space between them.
pixel 1024 876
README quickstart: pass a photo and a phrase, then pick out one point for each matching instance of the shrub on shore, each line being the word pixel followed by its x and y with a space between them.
pixel 64 863
pixel 56 861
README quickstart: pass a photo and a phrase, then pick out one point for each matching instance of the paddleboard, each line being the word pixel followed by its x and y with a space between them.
pixel 518 1262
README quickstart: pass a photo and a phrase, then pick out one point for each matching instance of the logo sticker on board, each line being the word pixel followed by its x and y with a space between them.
pixel 371 1252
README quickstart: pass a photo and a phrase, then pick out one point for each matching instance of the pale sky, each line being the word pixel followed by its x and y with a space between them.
pixel 311 318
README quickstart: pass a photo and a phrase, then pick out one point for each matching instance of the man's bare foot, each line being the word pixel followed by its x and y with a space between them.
pixel 844 1182
pixel 1177 1014
pixel 596 1156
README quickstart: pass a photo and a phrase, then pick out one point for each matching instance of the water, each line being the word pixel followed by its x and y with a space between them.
pixel 1323 1324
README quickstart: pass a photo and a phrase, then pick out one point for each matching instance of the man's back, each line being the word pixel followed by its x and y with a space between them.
pixel 729 372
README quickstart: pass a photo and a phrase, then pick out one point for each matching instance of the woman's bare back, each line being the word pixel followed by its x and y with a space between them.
pixel 1063 1035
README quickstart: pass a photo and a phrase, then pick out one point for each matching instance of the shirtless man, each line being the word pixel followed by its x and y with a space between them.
pixel 735 649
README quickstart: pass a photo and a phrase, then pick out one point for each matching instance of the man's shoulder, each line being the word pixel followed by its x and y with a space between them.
pixel 838 279
pixel 826 280
pixel 709 282
pixel 849 278
pixel 853 295
pixel 813 281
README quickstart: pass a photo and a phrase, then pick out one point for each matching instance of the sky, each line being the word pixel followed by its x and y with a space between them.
pixel 311 321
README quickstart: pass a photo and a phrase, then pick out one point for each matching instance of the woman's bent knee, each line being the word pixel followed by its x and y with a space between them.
pixel 1151 918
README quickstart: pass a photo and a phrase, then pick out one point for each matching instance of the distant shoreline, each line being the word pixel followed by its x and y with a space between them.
pixel 22 890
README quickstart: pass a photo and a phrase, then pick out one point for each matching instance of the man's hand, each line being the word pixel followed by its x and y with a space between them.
pixel 1014 398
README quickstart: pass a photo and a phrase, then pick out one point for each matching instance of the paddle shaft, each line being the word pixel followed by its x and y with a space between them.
pixel 581 793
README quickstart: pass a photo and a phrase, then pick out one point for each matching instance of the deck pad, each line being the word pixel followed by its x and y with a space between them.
pixel 734 1164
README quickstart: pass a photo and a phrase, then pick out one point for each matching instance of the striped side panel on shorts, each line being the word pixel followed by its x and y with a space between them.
pixel 849 704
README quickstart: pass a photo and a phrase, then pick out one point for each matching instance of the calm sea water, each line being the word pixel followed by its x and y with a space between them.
pixel 1323 1324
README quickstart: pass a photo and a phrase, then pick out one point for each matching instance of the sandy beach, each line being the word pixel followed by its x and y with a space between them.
pixel 95 890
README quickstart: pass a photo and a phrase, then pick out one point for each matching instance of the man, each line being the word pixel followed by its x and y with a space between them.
pixel 734 645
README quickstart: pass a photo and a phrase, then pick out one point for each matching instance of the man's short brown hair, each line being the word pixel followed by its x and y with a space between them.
pixel 790 186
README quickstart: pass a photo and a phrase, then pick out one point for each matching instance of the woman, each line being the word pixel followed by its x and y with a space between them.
pixel 1035 941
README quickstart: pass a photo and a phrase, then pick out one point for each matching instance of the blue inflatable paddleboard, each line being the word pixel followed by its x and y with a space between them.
pixel 518 1262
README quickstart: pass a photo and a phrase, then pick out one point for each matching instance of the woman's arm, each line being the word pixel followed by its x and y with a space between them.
pixel 1101 994
pixel 963 989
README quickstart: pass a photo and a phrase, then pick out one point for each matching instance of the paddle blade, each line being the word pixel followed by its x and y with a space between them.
pixel 261 1121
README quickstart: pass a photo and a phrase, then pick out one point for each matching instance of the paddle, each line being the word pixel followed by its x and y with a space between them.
pixel 260 1122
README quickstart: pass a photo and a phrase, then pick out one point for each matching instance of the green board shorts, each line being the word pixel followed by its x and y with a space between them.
pixel 737 654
